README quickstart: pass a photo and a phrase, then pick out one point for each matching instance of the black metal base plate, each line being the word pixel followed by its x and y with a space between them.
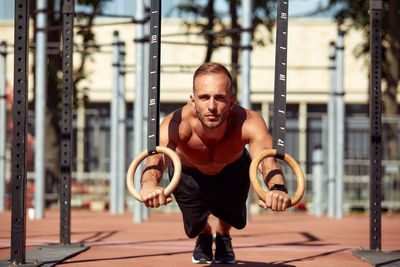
pixel 48 255
pixel 379 258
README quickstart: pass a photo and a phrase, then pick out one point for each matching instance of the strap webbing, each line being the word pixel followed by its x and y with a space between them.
pixel 279 121
pixel 153 129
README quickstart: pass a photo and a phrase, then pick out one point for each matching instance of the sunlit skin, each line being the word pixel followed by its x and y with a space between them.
pixel 212 99
pixel 208 134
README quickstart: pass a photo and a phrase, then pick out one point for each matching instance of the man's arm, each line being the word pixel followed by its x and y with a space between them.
pixel 259 140
pixel 152 194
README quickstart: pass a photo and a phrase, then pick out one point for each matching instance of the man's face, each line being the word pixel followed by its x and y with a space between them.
pixel 212 99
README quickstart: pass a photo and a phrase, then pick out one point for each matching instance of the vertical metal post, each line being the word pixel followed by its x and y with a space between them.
pixel 121 130
pixel 3 122
pixel 340 126
pixel 138 104
pixel 40 106
pixel 331 131
pixel 146 66
pixel 265 111
pixel 20 133
pixel 302 134
pixel 245 65
pixel 66 123
pixel 80 135
pixel 317 174
pixel 114 128
pixel 375 113
pixel 245 52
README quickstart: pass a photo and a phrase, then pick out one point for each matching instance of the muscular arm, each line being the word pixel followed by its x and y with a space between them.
pixel 259 140
pixel 152 194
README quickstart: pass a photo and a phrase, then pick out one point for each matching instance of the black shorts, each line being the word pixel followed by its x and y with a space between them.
pixel 223 195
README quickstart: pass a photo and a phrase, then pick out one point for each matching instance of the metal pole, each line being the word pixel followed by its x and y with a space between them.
pixel 80 135
pixel 302 134
pixel 331 131
pixel 138 105
pixel 3 122
pixel 114 129
pixel 340 127
pixel 375 114
pixel 245 66
pixel 146 93
pixel 40 107
pixel 66 122
pixel 121 131
pixel 245 54
pixel 317 174
pixel 20 133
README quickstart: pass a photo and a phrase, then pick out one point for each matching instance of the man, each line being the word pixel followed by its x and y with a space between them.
pixel 209 135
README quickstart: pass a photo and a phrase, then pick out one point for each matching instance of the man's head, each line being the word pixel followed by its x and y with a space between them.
pixel 210 68
pixel 212 94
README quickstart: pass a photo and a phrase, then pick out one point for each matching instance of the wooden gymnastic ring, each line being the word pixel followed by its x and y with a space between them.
pixel 293 165
pixel 130 175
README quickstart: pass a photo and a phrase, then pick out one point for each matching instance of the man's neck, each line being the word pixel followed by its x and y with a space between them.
pixel 212 135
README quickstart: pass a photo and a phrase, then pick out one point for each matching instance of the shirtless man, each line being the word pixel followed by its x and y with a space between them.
pixel 209 135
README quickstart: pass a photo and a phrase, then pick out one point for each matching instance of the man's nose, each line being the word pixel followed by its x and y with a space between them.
pixel 212 104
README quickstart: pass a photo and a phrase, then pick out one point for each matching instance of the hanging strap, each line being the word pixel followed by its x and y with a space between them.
pixel 279 122
pixel 153 129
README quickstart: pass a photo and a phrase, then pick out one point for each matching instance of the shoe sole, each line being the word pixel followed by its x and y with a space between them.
pixel 226 262
pixel 200 261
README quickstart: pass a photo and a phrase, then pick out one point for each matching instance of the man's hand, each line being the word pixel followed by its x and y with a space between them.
pixel 153 196
pixel 276 200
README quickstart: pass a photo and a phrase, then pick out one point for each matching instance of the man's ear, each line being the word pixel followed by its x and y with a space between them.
pixel 233 100
pixel 192 100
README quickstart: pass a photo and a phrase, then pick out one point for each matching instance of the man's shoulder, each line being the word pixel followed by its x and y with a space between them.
pixel 242 114
pixel 181 116
pixel 249 121
pixel 178 122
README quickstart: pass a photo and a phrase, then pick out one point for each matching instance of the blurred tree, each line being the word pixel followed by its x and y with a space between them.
pixel 84 43
pixel 219 32
pixel 354 14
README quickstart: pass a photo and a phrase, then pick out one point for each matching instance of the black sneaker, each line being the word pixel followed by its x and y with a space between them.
pixel 223 250
pixel 202 252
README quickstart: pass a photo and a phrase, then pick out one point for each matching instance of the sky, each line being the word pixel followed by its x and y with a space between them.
pixel 299 7
pixel 296 7
pixel 127 7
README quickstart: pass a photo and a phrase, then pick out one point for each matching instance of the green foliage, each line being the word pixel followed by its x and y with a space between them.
pixel 199 18
pixel 223 28
pixel 88 45
pixel 83 50
pixel 355 14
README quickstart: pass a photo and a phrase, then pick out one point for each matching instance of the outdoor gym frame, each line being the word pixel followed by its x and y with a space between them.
pixel 18 180
pixel 51 254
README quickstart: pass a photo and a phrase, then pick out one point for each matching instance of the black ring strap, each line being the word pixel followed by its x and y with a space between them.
pixel 153 129
pixel 279 121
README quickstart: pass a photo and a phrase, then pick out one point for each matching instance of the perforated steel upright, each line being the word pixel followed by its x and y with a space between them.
pixel 375 126
pixel 20 138
pixel 66 123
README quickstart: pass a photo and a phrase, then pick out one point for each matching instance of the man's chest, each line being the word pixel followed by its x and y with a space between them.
pixel 200 152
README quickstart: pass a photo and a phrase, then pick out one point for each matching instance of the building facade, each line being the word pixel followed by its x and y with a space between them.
pixel 308 91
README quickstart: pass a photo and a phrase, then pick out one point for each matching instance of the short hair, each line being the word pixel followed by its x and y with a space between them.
pixel 212 67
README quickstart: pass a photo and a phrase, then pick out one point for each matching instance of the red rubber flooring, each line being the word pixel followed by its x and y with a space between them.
pixel 270 239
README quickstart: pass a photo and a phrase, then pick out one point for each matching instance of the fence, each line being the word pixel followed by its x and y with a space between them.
pixel 93 184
